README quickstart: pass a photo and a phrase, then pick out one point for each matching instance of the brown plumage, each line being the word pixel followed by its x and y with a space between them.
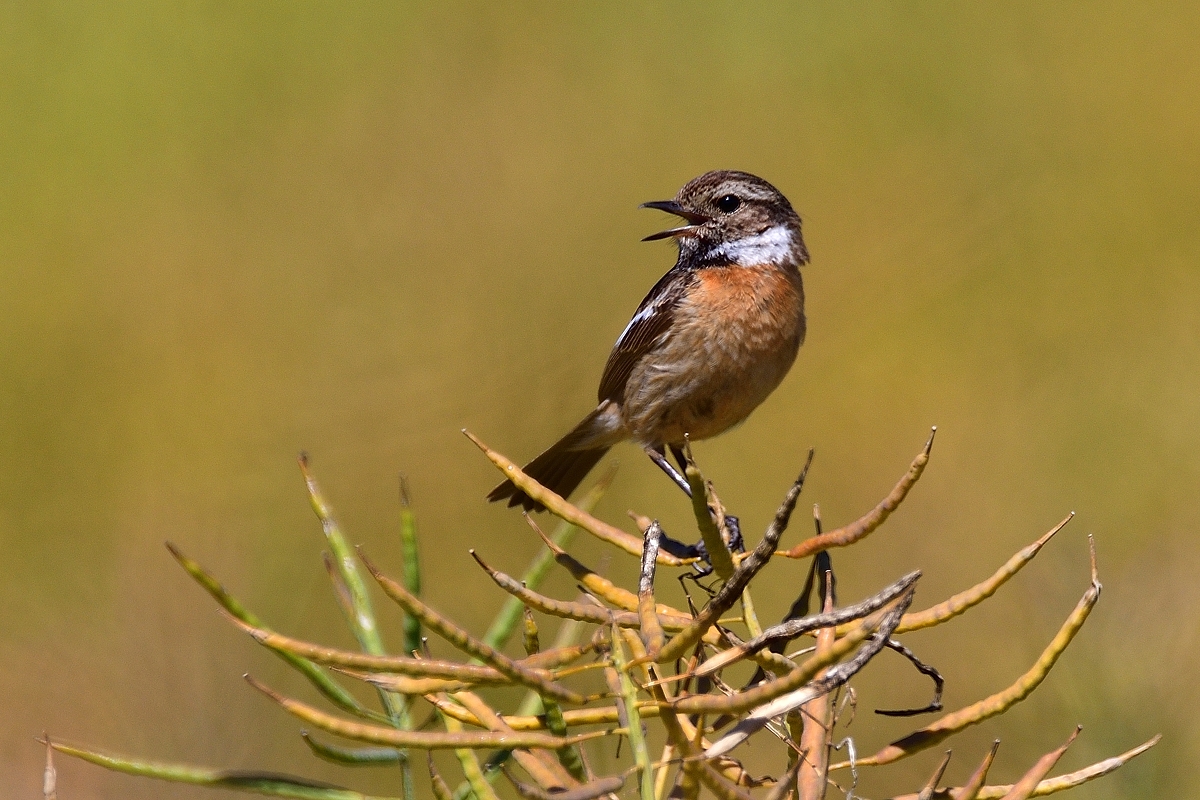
pixel 709 342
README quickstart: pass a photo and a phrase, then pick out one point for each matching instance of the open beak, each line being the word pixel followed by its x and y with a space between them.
pixel 694 219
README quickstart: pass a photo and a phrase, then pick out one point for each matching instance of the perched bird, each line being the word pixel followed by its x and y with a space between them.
pixel 710 341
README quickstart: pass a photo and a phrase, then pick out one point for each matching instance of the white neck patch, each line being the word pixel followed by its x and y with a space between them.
pixel 772 246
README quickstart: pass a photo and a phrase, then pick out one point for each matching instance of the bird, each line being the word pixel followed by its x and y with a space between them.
pixel 710 341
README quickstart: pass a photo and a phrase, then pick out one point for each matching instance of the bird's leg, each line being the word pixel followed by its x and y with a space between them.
pixel 658 456
pixel 704 568
pixel 674 546
pixel 736 543
pixel 680 457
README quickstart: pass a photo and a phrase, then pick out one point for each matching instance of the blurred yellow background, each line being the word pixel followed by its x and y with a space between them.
pixel 229 232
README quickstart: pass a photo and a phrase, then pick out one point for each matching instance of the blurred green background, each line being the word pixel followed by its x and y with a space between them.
pixel 229 232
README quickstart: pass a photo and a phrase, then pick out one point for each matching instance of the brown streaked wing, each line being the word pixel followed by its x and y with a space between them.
pixel 651 321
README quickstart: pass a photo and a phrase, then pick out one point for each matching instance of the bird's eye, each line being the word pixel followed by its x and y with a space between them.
pixel 729 203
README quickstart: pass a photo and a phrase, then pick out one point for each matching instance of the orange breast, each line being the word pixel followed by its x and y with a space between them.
pixel 765 302
pixel 732 340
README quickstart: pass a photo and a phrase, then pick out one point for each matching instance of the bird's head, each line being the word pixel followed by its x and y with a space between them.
pixel 733 218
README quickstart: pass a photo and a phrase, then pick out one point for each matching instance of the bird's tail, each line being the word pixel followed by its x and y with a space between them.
pixel 560 469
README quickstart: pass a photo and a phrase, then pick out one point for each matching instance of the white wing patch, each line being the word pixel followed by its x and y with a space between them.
pixel 772 246
pixel 644 313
